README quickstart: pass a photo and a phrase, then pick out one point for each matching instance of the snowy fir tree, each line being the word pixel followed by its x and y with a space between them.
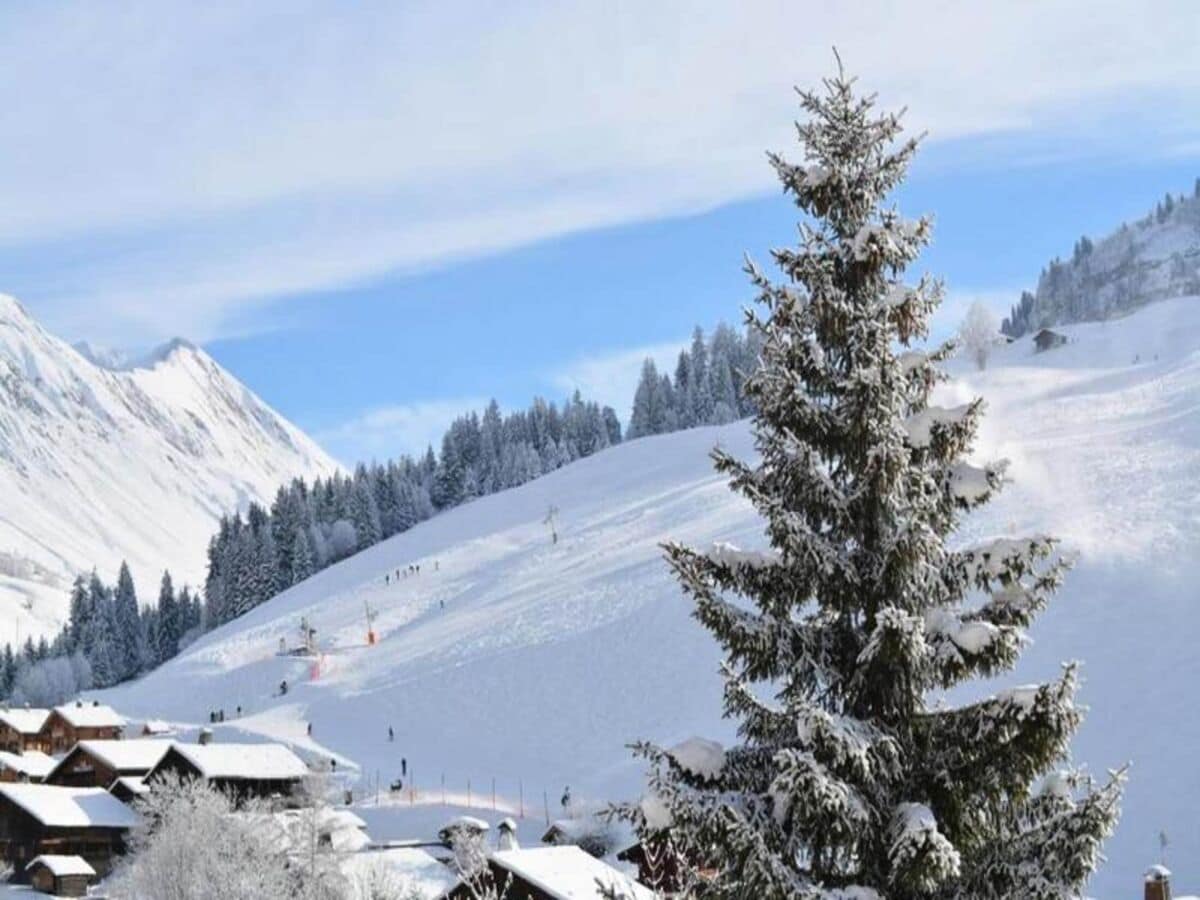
pixel 854 775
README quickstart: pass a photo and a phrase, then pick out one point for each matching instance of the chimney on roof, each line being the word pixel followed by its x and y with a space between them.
pixel 1158 883
pixel 205 737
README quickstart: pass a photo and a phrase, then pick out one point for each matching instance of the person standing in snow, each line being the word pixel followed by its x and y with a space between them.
pixel 310 729
pixel 283 687
pixel 391 734
pixel 404 767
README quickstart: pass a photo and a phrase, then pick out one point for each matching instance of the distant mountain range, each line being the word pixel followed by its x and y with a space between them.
pixel 1155 258
pixel 104 458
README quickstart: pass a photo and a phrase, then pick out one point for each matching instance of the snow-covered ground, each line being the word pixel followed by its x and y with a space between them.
pixel 532 663
pixel 100 463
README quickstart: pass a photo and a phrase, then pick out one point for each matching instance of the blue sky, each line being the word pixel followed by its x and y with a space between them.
pixel 380 217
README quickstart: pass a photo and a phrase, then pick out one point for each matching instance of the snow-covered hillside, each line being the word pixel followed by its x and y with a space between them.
pixel 1154 258
pixel 533 663
pixel 102 463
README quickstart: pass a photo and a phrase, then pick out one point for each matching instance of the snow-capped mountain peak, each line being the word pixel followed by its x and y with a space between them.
pixel 103 460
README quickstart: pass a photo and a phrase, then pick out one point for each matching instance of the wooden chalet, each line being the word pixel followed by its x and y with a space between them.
pixel 62 876
pixel 551 873
pixel 21 729
pixel 32 765
pixel 37 819
pixel 243 770
pixel 71 723
pixel 100 763
pixel 129 789
pixel 1047 340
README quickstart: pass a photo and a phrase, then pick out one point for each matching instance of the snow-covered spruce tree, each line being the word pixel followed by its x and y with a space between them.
pixel 853 778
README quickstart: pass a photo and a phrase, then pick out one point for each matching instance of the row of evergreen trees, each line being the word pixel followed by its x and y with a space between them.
pixel 706 389
pixel 109 629
pixel 308 527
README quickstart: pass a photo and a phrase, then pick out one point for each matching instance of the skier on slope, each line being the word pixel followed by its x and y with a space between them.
pixel 391 734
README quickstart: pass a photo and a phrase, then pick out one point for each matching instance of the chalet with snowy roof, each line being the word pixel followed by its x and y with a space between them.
pixel 1047 340
pixel 244 770
pixel 71 723
pixel 156 728
pixel 32 765
pixel 21 730
pixel 62 876
pixel 552 873
pixel 129 788
pixel 37 819
pixel 100 763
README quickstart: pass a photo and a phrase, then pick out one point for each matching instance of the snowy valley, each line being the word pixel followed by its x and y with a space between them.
pixel 531 662
pixel 104 461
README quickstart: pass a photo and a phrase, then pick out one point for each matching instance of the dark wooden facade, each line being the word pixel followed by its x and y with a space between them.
pixel 14 740
pixel 23 838
pixel 83 769
pixel 61 735
pixel 47 882
pixel 241 789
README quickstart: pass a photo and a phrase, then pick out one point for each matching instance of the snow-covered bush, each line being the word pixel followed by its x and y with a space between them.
pixel 190 846
pixel 979 334
pixel 52 681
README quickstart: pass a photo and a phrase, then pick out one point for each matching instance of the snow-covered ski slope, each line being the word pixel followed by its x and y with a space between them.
pixel 104 461
pixel 535 663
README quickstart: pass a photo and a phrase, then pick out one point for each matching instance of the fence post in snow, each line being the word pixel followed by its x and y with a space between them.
pixel 521 795
pixel 468 793
pixel 546 806
pixel 493 793
pixel 443 789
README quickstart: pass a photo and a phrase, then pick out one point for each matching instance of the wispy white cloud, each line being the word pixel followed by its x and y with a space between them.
pixel 611 378
pixel 184 166
pixel 388 431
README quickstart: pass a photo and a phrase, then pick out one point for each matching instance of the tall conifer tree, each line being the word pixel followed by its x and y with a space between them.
pixel 853 778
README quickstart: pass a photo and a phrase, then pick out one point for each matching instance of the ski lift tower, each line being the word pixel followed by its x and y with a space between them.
pixel 371 638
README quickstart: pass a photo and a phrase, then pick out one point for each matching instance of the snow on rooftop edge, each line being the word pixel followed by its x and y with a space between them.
pixel 568 873
pixel 68 807
pixel 62 865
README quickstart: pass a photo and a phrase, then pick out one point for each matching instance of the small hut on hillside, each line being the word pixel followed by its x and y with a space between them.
pixel 62 876
pixel 1047 340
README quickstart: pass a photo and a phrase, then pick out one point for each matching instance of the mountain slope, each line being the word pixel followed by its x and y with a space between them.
pixel 101 463
pixel 534 663
pixel 1155 258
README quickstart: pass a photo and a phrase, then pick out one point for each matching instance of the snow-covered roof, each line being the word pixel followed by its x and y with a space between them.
pixel 33 763
pixel 567 873
pixel 90 715
pixel 157 726
pixel 25 721
pixel 69 807
pixel 265 762
pixel 139 756
pixel 132 783
pixel 420 873
pixel 63 865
